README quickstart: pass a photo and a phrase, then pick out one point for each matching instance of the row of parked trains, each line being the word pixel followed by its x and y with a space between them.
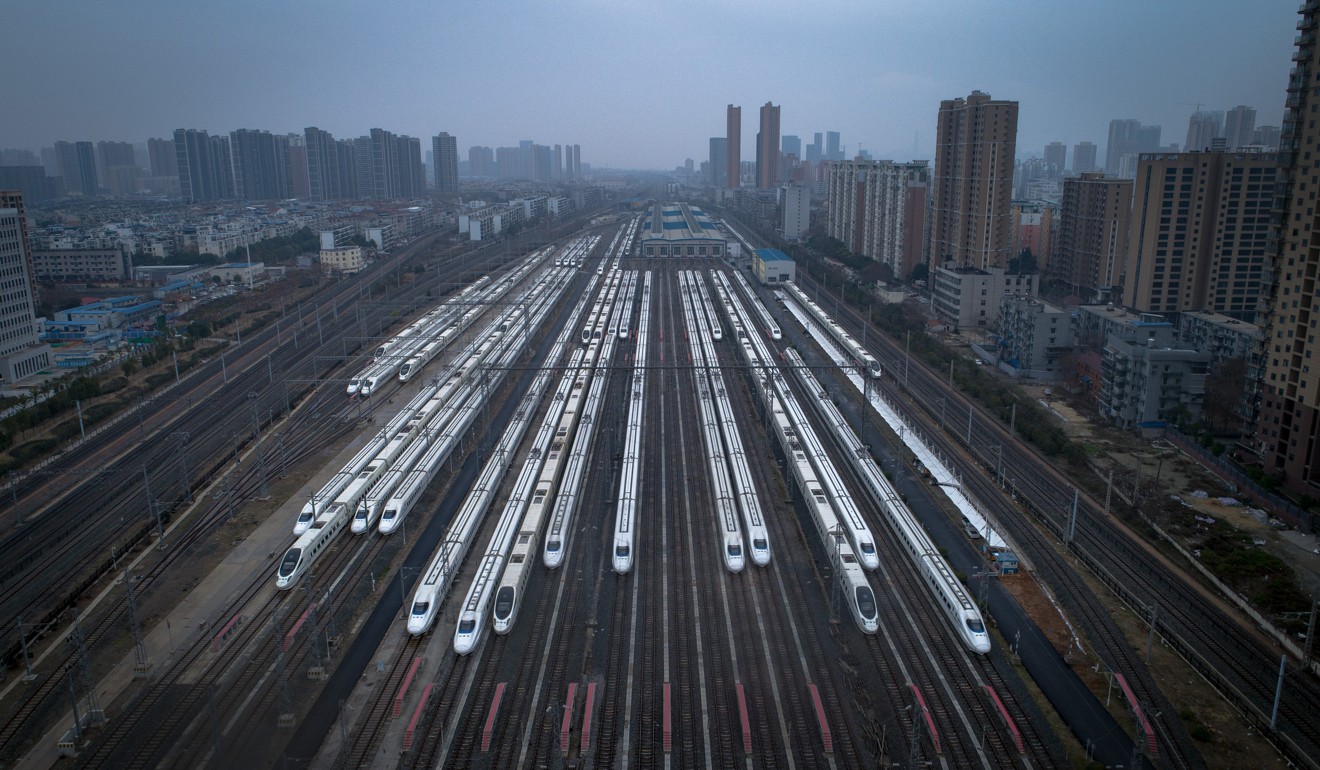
pixel 539 509
pixel 378 487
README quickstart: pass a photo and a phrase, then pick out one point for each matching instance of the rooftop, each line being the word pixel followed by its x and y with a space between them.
pixel 773 255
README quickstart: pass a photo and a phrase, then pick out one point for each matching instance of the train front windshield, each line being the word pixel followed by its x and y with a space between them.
pixel 866 602
pixel 420 608
pixel 976 626
pixel 622 551
pixel 290 563
pixel 466 626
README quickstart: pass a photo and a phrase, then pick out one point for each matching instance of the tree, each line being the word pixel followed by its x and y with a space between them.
pixel 1223 392
pixel 920 273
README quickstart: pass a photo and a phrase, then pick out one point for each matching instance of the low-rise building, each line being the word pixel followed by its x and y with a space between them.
pixel 680 230
pixel 80 264
pixel 969 298
pixel 347 259
pixel 1095 324
pixel 1144 385
pixel 773 266
pixel 1034 337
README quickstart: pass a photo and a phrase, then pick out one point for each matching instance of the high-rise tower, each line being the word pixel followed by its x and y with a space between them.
pixel 733 133
pixel 1287 428
pixel 972 184
pixel 767 148
pixel 445 149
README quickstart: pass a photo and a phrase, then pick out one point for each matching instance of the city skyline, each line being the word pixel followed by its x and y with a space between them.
pixel 419 76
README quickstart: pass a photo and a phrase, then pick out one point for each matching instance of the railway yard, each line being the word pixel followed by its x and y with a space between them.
pixel 577 508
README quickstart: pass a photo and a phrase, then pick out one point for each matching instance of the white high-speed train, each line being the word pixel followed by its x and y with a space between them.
pixel 627 509
pixel 953 601
pixel 863 360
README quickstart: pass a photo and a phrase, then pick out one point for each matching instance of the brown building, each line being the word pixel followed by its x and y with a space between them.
pixel 767 148
pixel 1092 233
pixel 1198 234
pixel 1033 230
pixel 972 185
pixel 733 133
pixel 1288 426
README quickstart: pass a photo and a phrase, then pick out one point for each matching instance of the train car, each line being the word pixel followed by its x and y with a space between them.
pixel 311 544
pixel 949 594
pixel 861 358
pixel 860 595
pixel 513 583
pixel 627 509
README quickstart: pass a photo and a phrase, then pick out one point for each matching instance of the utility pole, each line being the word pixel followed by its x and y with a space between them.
pixel 141 664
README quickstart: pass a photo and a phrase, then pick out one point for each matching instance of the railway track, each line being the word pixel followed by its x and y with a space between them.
pixel 926 391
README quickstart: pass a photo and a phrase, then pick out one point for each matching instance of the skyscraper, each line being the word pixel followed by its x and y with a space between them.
pixel 1203 128
pixel 445 148
pixel 1267 137
pixel 205 166
pixel 833 151
pixel 767 148
pixel 791 145
pixel 260 169
pixel 1083 158
pixel 1128 137
pixel 162 156
pixel 1093 232
pixel 1199 230
pixel 1287 431
pixel 719 161
pixel 1239 125
pixel 733 137
pixel 21 354
pixel 577 161
pixel 76 162
pixel 972 185
pixel 814 150
pixel 384 184
pixel 1056 156
pixel 116 167
pixel 481 161
pixel 557 169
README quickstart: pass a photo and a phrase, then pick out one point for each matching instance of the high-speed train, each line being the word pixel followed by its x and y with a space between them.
pixel 744 487
pixel 508 597
pixel 934 571
pixel 859 594
pixel 771 327
pixel 864 361
pixel 726 508
pixel 627 508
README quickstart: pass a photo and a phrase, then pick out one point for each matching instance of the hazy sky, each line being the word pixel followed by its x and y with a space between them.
pixel 636 84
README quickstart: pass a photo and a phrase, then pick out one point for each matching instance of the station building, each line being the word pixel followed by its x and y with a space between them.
pixel 680 230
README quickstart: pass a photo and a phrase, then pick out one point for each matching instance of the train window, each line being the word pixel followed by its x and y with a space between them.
pixel 503 602
pixel 760 544
pixel 420 608
pixel 976 626
pixel 553 545
pixel 868 547
pixel 390 513
pixel 622 550
pixel 517 558
pixel 735 550
pixel 466 626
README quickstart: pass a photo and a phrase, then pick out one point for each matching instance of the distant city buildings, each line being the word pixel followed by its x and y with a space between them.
pixel 1203 128
pixel 1239 127
pixel 718 166
pixel 1083 158
pixel 1128 139
pixel 205 166
pixel 1056 155
pixel 796 210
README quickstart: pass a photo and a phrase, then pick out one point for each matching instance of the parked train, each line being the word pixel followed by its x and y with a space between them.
pixel 864 361
pixel 953 601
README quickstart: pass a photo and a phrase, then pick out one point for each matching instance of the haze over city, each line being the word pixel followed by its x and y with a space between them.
pixel 638 85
